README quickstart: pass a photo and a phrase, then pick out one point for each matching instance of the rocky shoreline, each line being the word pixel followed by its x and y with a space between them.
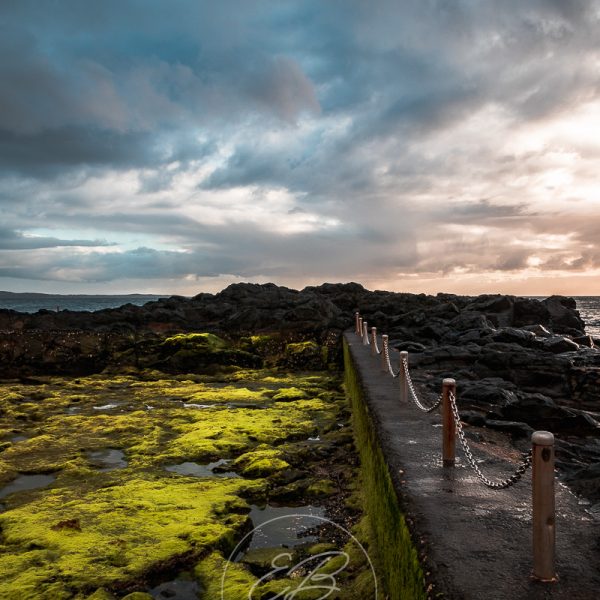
pixel 520 364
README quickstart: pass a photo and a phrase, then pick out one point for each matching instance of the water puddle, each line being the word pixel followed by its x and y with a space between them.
pixel 213 469
pixel 251 405
pixel 26 482
pixel 182 588
pixel 271 530
pixel 18 438
pixel 109 459
pixel 193 405
pixel 106 407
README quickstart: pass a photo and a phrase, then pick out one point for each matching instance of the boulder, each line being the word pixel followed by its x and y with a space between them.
pixel 564 317
pixel 558 344
pixel 515 428
pixel 527 311
pixel 538 330
pixel 512 335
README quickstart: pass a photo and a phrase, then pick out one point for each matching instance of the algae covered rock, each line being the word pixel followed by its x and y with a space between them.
pixel 125 531
pixel 191 352
pixel 305 356
pixel 223 579
pixel 289 394
pixel 113 530
pixel 261 462
pixel 101 594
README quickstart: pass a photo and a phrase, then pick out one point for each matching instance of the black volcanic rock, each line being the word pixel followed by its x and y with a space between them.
pixel 564 317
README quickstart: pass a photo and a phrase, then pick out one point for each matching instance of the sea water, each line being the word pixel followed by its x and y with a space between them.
pixel 589 309
pixel 31 303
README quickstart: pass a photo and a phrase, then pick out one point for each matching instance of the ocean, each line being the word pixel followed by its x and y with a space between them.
pixel 589 309
pixel 588 306
pixel 30 303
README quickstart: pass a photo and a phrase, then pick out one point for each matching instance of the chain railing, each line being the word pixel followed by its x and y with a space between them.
pixel 388 362
pixel 404 371
pixel 413 393
pixel 541 456
pixel 496 485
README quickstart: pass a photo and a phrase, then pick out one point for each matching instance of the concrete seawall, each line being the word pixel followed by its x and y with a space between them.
pixel 474 542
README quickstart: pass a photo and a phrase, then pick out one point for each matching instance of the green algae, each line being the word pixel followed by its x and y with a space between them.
pixel 101 594
pixel 291 393
pixel 122 531
pixel 261 462
pixel 194 340
pixel 307 355
pixel 216 575
pixel 96 533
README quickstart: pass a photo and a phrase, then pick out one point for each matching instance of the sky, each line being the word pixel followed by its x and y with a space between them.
pixel 175 147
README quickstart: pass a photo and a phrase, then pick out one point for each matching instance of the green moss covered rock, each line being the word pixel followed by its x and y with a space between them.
pixel 96 530
pixel 305 356
pixel 261 462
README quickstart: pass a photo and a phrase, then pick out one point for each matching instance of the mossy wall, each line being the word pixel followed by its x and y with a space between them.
pixel 395 556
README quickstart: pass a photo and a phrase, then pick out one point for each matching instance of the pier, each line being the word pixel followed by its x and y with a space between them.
pixel 473 541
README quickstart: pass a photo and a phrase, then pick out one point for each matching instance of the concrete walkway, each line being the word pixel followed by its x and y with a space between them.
pixel 477 540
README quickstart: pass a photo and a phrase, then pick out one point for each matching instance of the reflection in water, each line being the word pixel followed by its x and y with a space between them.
pixel 182 588
pixel 108 459
pixel 26 482
pixel 197 470
pixel 286 532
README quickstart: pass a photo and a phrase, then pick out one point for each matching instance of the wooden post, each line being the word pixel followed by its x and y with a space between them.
pixel 360 327
pixel 384 346
pixel 448 425
pixel 373 341
pixel 403 378
pixel 543 506
pixel 365 333
pixel 356 323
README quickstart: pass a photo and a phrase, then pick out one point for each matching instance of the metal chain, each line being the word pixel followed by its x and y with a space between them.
pixel 386 351
pixel 496 485
pixel 377 350
pixel 413 392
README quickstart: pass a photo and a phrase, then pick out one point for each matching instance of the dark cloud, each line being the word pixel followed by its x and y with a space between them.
pixel 55 151
pixel 319 139
pixel 15 240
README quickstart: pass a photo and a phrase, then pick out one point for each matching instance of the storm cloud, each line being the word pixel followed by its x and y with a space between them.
pixel 422 145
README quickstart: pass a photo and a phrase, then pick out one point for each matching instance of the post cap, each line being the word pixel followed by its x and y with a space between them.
pixel 373 328
pixel 384 336
pixel 449 381
pixel 542 438
pixel 403 353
